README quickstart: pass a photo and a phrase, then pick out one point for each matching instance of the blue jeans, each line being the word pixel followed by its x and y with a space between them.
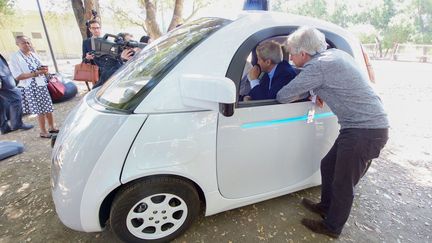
pixel 10 109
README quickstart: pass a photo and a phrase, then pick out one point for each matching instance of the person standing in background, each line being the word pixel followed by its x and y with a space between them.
pixel 10 101
pixel 95 29
pixel 27 68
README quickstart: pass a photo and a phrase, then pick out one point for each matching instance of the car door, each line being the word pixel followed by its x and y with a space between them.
pixel 266 146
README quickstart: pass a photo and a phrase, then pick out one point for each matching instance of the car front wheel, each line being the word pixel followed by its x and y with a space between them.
pixel 154 210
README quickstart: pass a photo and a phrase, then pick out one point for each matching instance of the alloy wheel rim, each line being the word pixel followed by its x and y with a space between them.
pixel 156 216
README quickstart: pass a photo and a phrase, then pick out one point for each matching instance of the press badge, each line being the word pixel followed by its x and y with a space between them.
pixel 311 112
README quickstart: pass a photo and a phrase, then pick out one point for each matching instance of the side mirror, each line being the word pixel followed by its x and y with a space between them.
pixel 208 92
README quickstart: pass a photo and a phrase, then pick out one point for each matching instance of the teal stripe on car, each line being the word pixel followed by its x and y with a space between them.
pixel 286 120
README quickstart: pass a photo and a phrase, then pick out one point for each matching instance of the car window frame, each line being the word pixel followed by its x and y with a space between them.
pixel 130 105
pixel 238 61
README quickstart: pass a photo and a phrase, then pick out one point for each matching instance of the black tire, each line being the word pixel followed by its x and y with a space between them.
pixel 135 205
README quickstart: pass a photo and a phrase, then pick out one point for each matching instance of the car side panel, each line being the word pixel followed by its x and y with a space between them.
pixel 181 144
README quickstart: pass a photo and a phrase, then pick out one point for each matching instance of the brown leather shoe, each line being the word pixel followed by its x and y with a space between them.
pixel 319 227
pixel 314 207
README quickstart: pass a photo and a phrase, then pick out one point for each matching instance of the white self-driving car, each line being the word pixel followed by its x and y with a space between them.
pixel 167 137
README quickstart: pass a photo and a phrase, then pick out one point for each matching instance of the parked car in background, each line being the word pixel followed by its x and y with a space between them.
pixel 167 137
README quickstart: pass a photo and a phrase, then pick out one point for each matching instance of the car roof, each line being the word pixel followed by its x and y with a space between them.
pixel 271 19
pixel 253 20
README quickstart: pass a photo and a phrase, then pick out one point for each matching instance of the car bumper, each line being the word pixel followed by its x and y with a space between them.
pixel 86 163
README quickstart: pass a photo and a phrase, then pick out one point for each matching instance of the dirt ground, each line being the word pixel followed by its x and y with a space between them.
pixel 393 201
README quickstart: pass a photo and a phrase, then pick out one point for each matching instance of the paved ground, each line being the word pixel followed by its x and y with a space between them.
pixel 393 202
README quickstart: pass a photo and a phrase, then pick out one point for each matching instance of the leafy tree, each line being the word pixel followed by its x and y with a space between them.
pixel 313 8
pixel 135 15
pixel 399 30
pixel 6 9
pixel 145 16
pixel 421 12
pixel 380 16
pixel 340 15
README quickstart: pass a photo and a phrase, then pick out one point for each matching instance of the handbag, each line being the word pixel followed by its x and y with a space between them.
pixel 86 72
pixel 56 88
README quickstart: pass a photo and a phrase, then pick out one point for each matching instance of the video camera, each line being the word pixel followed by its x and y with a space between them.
pixel 113 45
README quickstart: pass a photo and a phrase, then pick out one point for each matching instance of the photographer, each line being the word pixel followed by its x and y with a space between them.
pixel 112 64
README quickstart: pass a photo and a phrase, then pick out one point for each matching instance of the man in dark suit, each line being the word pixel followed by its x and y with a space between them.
pixel 95 29
pixel 10 101
pixel 278 73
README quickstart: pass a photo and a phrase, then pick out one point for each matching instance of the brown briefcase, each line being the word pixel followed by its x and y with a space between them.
pixel 86 72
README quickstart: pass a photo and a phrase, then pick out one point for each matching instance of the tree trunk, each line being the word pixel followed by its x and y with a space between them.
pixel 177 17
pixel 151 23
pixel 83 12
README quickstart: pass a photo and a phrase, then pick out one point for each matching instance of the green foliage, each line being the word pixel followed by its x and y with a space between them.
pixel 366 38
pixel 313 8
pixel 6 7
pixel 393 20
pixel 422 14
pixel 341 15
pixel 380 17
pixel 399 30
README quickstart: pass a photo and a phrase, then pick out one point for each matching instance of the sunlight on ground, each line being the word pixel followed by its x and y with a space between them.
pixel 405 88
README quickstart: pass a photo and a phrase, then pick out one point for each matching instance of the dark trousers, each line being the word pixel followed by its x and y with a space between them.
pixel 107 72
pixel 10 109
pixel 342 168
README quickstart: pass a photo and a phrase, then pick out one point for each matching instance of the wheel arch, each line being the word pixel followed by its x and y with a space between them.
pixel 105 208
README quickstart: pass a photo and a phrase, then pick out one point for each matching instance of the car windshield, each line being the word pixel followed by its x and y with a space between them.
pixel 134 80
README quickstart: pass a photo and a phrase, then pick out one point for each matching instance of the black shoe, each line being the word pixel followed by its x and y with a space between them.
pixel 26 126
pixel 319 227
pixel 314 207
pixel 54 131
pixel 7 130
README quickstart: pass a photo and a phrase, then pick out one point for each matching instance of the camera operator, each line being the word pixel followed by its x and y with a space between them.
pixel 113 64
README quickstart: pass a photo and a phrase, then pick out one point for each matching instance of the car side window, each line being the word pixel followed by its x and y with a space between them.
pixel 244 54
pixel 263 93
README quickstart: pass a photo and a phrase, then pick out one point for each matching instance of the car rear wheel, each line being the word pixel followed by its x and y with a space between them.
pixel 154 210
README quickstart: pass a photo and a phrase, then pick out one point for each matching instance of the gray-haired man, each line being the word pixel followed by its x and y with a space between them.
pixel 335 77
pixel 277 72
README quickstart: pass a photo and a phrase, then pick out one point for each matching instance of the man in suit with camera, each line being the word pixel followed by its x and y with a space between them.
pixel 95 29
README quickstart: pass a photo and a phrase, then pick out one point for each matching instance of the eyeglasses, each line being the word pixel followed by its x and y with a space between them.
pixel 25 42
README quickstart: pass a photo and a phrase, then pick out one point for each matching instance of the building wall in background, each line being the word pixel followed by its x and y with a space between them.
pixel 63 31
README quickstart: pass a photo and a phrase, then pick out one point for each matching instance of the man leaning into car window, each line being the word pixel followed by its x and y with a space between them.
pixel 335 77
pixel 277 72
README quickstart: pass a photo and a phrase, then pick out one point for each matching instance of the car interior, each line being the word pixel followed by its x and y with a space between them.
pixel 251 60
